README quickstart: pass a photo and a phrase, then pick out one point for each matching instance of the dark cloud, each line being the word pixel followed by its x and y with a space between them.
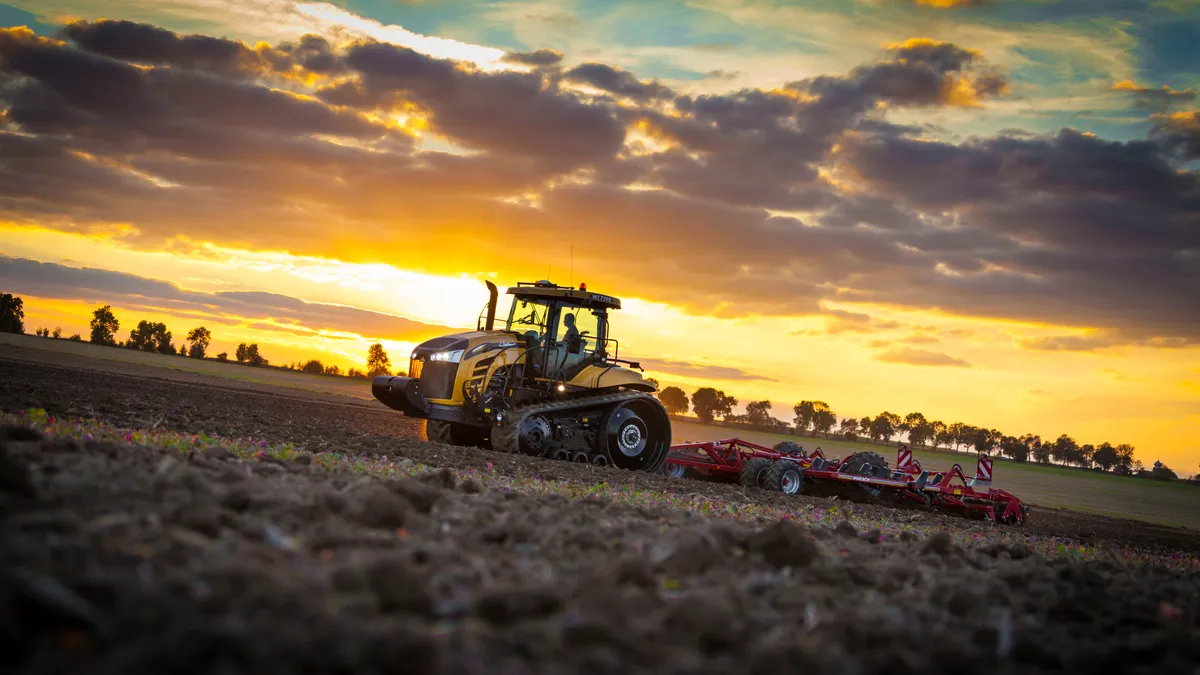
pixel 146 44
pixel 1179 133
pixel 699 371
pixel 616 81
pixel 920 357
pixel 51 280
pixel 539 58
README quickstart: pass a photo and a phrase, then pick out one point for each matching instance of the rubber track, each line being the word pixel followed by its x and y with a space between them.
pixel 505 438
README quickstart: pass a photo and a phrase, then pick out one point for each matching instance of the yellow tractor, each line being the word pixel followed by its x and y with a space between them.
pixel 548 384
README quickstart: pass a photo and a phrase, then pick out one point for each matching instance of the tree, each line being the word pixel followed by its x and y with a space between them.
pixel 849 427
pixel 884 426
pixel 1086 453
pixel 1012 447
pixel 378 362
pixel 223 356
pixel 151 337
pixel 75 337
pixel 1065 450
pixel 674 399
pixel 199 337
pixel 709 403
pixel 12 314
pixel 253 357
pixel 654 382
pixel 984 440
pixel 57 332
pixel 919 429
pixel 1105 456
pixel 104 326
pixel 240 354
pixel 333 370
pixel 758 412
pixel 1042 452
pixel 355 372
pixel 1125 456
pixel 864 426
pixel 806 413
pixel 957 434
pixel 313 367
pixel 823 421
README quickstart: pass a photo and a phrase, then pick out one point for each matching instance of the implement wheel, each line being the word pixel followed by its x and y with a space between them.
pixel 754 473
pixel 790 448
pixel 868 464
pixel 785 476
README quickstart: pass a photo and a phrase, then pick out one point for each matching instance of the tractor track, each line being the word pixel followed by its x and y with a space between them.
pixel 506 438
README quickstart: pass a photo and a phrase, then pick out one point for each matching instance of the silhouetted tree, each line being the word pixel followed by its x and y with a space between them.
pixel 253 357
pixel 151 337
pixel 75 337
pixel 849 427
pixel 378 362
pixel 104 326
pixel 57 332
pixel 805 413
pixel 709 403
pixel 654 382
pixel 918 428
pixel 12 314
pixel 758 412
pixel 240 353
pixel 674 399
pixel 1105 456
pixel 199 337
pixel 223 356
pixel 355 372
pixel 313 367
pixel 884 426
pixel 823 420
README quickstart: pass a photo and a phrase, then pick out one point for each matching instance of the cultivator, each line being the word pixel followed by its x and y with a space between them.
pixel 861 476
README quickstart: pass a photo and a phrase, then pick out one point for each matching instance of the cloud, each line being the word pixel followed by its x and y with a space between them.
pixel 271 311
pixel 541 57
pixel 920 357
pixel 1069 343
pixel 617 81
pixel 1179 133
pixel 751 201
pixel 700 371
pixel 1161 98
pixel 841 321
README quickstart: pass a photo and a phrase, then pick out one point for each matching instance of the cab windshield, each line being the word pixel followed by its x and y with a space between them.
pixel 528 317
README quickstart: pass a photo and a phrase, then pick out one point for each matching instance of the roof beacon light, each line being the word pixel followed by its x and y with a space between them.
pixel 582 286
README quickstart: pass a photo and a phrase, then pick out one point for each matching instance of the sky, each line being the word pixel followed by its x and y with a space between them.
pixel 984 211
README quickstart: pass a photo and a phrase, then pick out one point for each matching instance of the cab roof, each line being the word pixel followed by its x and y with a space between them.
pixel 566 294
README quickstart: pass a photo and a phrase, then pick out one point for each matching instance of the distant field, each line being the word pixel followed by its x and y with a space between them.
pixel 146 363
pixel 1174 504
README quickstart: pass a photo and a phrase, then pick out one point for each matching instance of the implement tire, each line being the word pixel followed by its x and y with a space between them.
pixel 754 473
pixel 869 464
pixel 785 476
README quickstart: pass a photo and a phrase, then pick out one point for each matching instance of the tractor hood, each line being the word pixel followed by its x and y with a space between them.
pixel 453 347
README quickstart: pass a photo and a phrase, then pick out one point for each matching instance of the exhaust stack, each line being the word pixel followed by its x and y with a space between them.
pixel 491 314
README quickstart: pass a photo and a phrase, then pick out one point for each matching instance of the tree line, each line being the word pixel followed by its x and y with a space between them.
pixel 816 417
pixel 150 336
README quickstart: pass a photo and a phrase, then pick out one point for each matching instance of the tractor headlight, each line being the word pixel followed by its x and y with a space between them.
pixel 448 357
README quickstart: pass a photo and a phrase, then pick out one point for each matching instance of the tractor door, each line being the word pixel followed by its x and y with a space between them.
pixel 577 338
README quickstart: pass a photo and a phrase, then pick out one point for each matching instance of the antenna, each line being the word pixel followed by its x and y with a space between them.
pixel 572 282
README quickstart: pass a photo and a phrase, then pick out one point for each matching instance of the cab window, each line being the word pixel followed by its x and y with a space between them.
pixel 587 325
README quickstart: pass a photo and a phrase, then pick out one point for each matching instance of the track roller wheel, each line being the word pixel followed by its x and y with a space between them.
pixel 785 476
pixel 453 433
pixel 533 436
pixel 599 460
pixel 561 455
pixel 754 472
pixel 868 464
pixel 580 457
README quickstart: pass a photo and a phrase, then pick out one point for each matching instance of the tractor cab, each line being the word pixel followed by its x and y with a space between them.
pixel 564 329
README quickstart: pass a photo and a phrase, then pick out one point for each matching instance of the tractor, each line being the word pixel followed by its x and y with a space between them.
pixel 549 383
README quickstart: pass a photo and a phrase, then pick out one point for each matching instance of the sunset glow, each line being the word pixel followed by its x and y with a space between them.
pixel 983 212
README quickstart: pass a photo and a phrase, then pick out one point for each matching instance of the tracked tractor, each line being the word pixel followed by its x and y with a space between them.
pixel 549 383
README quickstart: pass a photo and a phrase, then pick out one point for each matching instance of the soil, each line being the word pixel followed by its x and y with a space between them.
pixel 128 559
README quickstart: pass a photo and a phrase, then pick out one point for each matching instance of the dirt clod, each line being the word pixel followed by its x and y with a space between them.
pixel 421 495
pixel 940 543
pixel 375 506
pixel 845 529
pixel 784 544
